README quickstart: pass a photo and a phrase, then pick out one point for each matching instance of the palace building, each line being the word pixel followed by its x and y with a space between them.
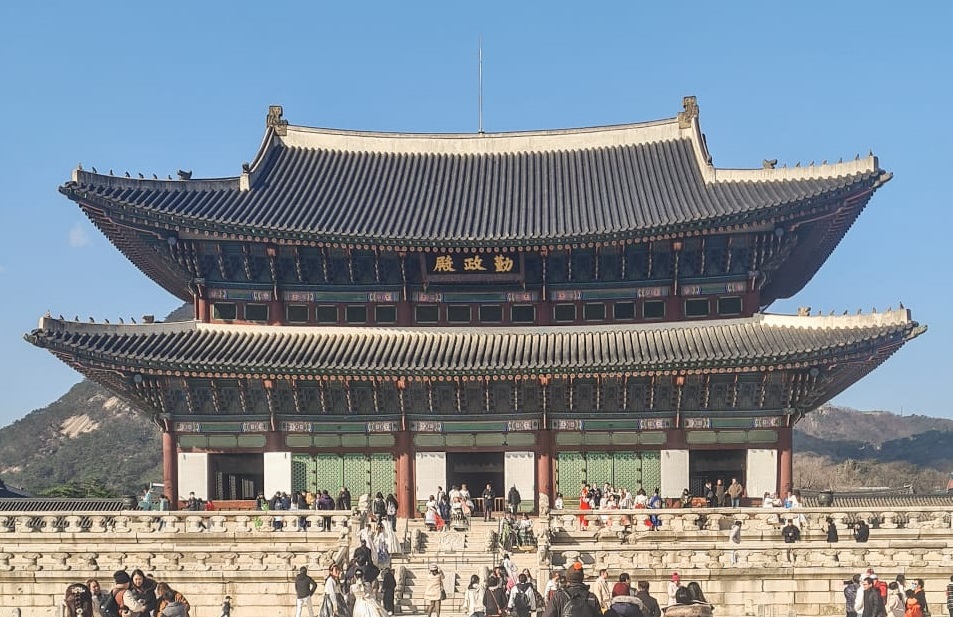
pixel 394 312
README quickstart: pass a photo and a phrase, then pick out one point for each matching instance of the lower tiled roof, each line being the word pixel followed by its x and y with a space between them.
pixel 282 350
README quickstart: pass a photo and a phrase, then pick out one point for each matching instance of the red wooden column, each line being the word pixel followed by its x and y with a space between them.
pixel 170 467
pixel 786 460
pixel 544 465
pixel 404 455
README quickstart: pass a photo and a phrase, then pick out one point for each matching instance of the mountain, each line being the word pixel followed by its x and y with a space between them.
pixel 91 438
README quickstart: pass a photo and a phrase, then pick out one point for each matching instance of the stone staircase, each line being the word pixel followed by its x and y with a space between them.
pixel 460 553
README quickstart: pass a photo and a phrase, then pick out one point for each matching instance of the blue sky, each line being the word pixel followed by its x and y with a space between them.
pixel 156 87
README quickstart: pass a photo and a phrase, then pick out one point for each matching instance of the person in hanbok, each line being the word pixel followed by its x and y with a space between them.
pixel 432 518
pixel 364 603
pixel 525 533
pixel 585 506
pixel 509 570
pixel 655 503
pixel 334 604
pixel 507 532
pixel 389 537
pixel 381 551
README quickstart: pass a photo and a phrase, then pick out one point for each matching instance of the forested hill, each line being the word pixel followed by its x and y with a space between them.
pixel 90 440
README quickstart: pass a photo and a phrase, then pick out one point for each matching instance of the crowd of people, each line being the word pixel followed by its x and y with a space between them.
pixel 867 595
pixel 131 595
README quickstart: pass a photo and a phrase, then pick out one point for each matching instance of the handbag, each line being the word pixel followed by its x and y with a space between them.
pixel 443 594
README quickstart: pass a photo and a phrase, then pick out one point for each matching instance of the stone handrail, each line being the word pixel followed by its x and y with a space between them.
pixel 135 523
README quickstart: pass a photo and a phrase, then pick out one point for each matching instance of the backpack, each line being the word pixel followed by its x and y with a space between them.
pixel 577 604
pixel 391 508
pixel 521 602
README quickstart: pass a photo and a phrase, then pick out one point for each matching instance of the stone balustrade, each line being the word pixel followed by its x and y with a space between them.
pixel 760 573
pixel 244 554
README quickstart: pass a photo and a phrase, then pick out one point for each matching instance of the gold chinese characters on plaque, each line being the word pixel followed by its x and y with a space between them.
pixel 464 264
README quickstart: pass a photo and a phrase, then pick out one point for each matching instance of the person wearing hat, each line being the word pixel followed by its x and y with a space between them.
pixel 434 592
pixel 304 589
pixel 574 599
pixel 227 607
pixel 673 586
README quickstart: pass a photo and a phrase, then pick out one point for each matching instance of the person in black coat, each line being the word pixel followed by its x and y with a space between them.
pixel 791 533
pixel 388 588
pixel 831 530
pixel 861 531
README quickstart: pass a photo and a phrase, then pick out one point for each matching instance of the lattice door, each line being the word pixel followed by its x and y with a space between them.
pixel 383 474
pixel 304 472
pixel 598 467
pixel 626 470
pixel 357 474
pixel 329 472
pixel 651 471
pixel 570 474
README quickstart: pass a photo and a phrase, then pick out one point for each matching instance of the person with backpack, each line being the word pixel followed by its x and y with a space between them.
pixel 574 600
pixel 390 508
pixel 522 602
pixel 494 600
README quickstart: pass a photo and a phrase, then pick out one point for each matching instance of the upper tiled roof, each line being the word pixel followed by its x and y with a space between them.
pixel 483 190
pixel 201 348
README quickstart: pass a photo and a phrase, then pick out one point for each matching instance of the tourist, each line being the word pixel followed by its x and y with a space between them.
pixel 686 605
pixel 709 494
pixel 673 586
pixel 431 515
pixel 389 589
pixel 686 498
pixel 161 590
pixel 227 607
pixel 333 604
pixel 304 589
pixel 525 535
pixel 473 599
pixel 513 499
pixel 734 535
pixel 896 600
pixel 364 603
pixel 735 493
pixel 720 494
pixel 790 532
pixel 650 603
pixel 390 506
pixel 920 595
pixel 861 531
pixel 488 497
pixel 434 592
pixel 623 603
pixel 655 503
pixel 145 589
pixel 494 600
pixel 103 603
pixel 522 598
pixel 575 595
pixel 913 608
pixel 552 585
pixel 831 529
pixel 170 606
pixel 603 590
pixel 873 602
pixel 558 503
pixel 851 587
pixel 509 571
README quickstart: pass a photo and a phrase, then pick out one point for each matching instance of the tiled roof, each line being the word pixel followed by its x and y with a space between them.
pixel 881 502
pixel 284 350
pixel 482 190
pixel 57 504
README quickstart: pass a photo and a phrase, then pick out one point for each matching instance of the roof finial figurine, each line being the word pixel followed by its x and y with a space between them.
pixel 155 177
pixel 79 166
pixel 690 104
pixel 61 316
pixel 246 168
pixel 769 163
pixel 275 121
pixel 141 176
pixel 94 170
pixel 127 174
pixel 185 175
pixel 798 164
pixel 132 319
pixel 91 320
pixel 121 321
pixel 901 306
pixel 106 321
pixel 110 172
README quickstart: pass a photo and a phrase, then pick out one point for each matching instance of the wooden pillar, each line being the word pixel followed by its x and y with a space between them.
pixel 404 457
pixel 170 467
pixel 544 466
pixel 786 461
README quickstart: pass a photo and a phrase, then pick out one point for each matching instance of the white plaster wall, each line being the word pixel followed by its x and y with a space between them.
pixel 762 473
pixel 519 469
pixel 674 472
pixel 431 472
pixel 193 475
pixel 277 473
